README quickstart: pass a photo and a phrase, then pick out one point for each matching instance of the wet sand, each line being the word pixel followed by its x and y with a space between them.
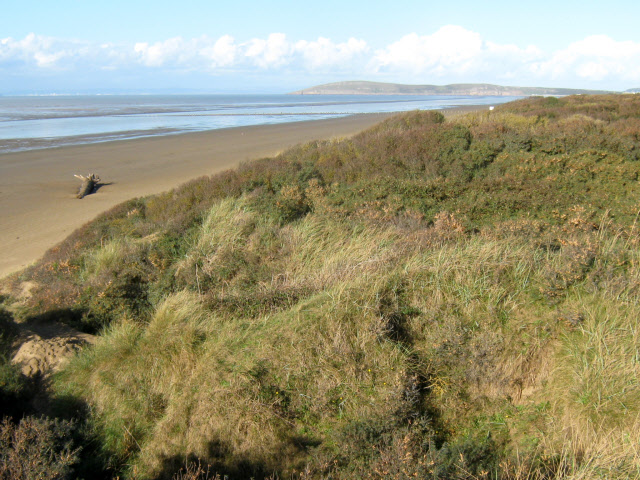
pixel 38 206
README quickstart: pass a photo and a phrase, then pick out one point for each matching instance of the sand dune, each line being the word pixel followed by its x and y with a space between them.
pixel 37 188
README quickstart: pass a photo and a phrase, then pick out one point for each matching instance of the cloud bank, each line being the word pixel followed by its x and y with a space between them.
pixel 451 54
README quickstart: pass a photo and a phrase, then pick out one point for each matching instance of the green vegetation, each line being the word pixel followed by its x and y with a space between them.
pixel 380 88
pixel 428 299
pixel 36 448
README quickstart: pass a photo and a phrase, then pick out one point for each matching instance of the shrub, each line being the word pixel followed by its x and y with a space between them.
pixel 291 204
pixel 36 448
pixel 195 471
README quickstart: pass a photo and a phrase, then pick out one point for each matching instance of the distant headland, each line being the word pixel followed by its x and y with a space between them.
pixel 380 88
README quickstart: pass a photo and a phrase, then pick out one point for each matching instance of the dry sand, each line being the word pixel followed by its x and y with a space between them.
pixel 38 207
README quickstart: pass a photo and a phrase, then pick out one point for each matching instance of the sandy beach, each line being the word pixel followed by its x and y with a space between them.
pixel 37 188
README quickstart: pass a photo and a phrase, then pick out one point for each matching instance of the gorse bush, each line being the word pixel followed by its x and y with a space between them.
pixel 36 448
pixel 431 298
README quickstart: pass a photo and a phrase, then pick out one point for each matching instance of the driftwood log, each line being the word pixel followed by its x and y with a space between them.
pixel 88 185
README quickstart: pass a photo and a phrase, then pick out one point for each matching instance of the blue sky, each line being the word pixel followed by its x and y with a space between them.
pixel 277 46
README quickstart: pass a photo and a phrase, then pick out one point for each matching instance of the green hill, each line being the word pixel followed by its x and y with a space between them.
pixel 429 299
pixel 379 88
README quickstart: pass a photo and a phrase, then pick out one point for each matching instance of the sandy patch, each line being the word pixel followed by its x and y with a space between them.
pixel 45 349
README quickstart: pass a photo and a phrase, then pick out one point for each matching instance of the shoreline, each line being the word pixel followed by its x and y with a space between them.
pixel 37 187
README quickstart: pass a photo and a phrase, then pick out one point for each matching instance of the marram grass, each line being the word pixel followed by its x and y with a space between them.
pixel 428 299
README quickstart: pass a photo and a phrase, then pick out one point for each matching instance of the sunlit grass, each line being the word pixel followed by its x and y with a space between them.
pixel 431 299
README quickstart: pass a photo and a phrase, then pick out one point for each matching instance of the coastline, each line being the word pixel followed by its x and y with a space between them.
pixel 37 187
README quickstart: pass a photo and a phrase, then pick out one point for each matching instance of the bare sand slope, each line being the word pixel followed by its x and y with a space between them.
pixel 46 347
pixel 38 207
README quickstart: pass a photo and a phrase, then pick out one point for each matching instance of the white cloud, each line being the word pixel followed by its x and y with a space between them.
pixel 325 53
pixel 592 70
pixel 202 53
pixel 449 55
pixel 175 51
pixel 38 50
pixel 275 51
pixel 451 49
pixel 595 58
pixel 222 53
pixel 454 54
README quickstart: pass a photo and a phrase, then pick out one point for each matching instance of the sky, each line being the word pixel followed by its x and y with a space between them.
pixel 93 46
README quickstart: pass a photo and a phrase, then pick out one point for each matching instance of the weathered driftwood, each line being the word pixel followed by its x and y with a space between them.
pixel 88 185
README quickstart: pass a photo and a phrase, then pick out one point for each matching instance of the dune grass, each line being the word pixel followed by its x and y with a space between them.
pixel 430 298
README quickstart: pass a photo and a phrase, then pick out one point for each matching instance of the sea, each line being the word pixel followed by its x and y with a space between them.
pixel 37 122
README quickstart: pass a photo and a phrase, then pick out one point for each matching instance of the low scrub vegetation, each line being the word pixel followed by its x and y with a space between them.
pixel 428 299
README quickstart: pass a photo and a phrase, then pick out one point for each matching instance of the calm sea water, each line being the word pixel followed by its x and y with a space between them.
pixel 28 123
